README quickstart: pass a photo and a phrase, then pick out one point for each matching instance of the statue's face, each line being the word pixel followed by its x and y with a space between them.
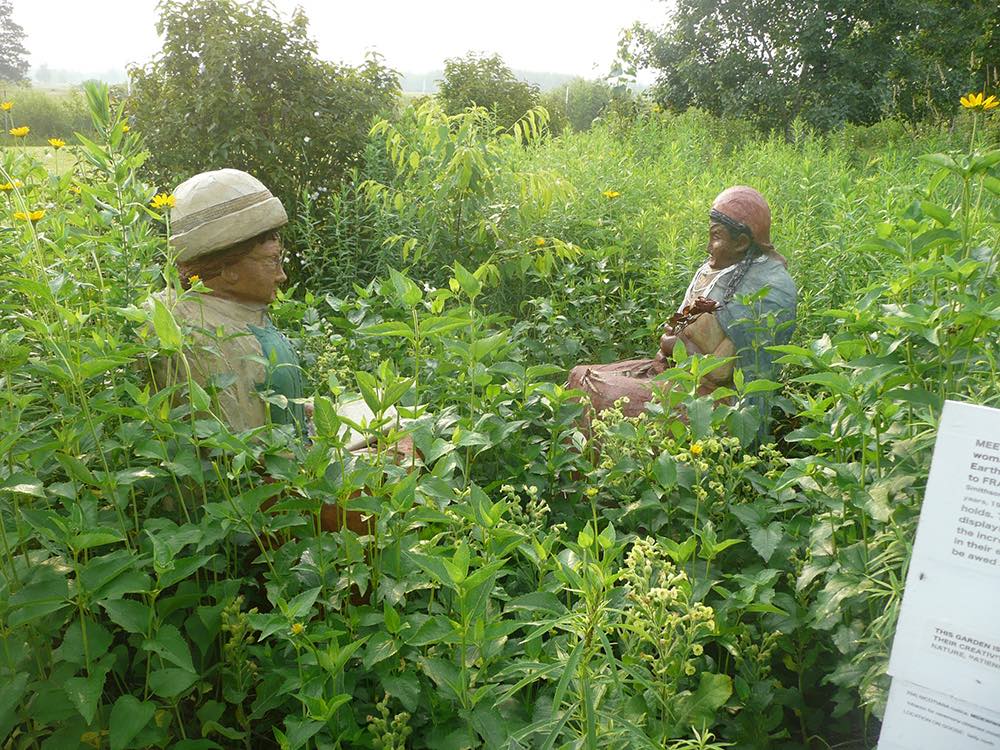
pixel 255 277
pixel 723 249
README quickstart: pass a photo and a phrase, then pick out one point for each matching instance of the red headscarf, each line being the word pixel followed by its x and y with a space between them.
pixel 747 206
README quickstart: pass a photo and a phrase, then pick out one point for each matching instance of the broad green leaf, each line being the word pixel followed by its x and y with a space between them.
pixel 404 687
pixel 369 391
pixel 90 539
pixel 170 644
pixel 434 630
pixel 389 328
pixel 940 214
pixel 10 697
pixel 24 484
pixel 941 160
pixel 699 709
pixel 129 716
pixel 437 326
pixel 325 417
pixel 982 162
pixel 765 539
pixel 166 327
pixel 128 614
pixel 380 647
pixel 85 693
pixel 467 281
pixel 665 470
pixel 302 604
pixel 407 291
pixel 171 682
pixel 42 597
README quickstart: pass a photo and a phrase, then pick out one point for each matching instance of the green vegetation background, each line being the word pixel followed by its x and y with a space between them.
pixel 667 582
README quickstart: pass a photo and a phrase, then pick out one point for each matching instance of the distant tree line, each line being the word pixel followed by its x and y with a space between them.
pixel 826 62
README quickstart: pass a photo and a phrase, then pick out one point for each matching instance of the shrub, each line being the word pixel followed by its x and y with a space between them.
pixel 235 86
pixel 475 81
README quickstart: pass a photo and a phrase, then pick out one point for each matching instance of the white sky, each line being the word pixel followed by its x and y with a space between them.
pixel 559 36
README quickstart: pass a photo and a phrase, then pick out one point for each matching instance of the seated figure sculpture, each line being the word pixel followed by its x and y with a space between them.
pixel 224 231
pixel 713 318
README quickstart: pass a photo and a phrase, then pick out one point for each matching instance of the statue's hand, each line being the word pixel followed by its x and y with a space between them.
pixel 667 341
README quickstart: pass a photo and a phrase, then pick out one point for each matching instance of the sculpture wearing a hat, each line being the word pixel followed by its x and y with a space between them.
pixel 713 318
pixel 224 232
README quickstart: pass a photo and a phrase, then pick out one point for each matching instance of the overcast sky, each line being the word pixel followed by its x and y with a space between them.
pixel 559 36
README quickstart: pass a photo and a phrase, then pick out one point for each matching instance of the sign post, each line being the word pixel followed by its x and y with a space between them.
pixel 945 660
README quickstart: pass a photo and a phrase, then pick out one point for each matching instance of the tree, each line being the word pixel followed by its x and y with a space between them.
pixel 577 103
pixel 486 82
pixel 828 62
pixel 235 86
pixel 13 55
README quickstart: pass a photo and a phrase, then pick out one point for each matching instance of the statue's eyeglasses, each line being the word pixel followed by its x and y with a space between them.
pixel 275 261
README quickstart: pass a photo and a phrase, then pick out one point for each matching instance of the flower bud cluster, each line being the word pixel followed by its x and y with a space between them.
pixel 240 670
pixel 662 625
pixel 389 734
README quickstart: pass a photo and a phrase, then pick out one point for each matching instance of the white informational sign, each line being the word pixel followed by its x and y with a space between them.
pixel 945 659
pixel 918 718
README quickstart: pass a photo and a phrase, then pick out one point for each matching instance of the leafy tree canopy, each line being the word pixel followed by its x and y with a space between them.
pixel 828 62
pixel 487 82
pixel 235 86
pixel 13 55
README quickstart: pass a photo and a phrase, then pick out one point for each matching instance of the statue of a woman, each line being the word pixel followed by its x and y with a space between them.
pixel 224 232
pixel 715 317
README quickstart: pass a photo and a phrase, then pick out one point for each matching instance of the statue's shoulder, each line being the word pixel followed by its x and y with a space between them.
pixel 774 274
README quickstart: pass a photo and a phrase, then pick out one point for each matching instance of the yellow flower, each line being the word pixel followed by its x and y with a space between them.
pixel 74 189
pixel 20 132
pixel 5 186
pixel 697 649
pixel 163 199
pixel 539 242
pixel 297 628
pixel 977 101
pixel 125 128
pixel 696 449
pixel 610 194
pixel 57 143
pixel 6 106
pixel 591 491
pixel 30 216
pixel 689 669
pixel 194 278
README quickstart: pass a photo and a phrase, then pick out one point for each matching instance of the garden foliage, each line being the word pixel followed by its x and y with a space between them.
pixel 669 583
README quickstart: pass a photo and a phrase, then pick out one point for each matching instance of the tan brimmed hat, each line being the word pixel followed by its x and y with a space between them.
pixel 215 210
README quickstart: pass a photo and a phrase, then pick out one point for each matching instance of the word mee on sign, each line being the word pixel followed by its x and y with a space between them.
pixel 948 635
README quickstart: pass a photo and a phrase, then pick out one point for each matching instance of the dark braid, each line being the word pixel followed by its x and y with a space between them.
pixel 741 271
